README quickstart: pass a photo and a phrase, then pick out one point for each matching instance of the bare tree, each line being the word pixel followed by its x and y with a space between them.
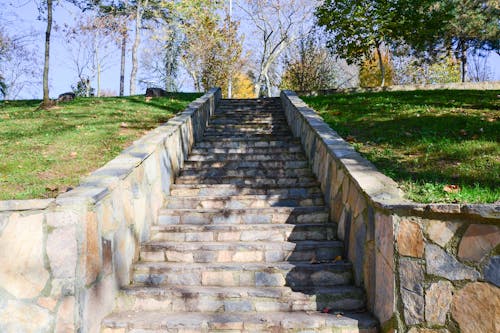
pixel 46 100
pixel 279 23
pixel 92 42
pixel 140 6
pixel 478 68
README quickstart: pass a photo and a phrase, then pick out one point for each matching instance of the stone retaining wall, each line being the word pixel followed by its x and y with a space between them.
pixel 62 260
pixel 425 268
pixel 494 85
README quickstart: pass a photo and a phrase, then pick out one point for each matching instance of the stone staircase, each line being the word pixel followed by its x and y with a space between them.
pixel 244 243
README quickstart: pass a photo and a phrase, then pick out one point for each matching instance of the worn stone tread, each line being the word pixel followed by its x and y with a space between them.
pixel 242 322
pixel 242 246
pixel 240 299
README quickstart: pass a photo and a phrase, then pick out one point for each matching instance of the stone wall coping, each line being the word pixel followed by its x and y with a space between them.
pixel 21 205
pixel 100 182
pixel 493 85
pixel 381 190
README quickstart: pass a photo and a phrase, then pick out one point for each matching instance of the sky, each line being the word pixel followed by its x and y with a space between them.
pixel 22 17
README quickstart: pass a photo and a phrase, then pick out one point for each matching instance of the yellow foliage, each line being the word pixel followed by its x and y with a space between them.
pixel 369 74
pixel 243 86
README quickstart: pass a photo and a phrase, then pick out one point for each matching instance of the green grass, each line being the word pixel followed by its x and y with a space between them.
pixel 44 152
pixel 425 140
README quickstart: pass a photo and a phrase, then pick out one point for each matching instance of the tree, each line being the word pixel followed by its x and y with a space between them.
pixel 309 66
pixel 370 72
pixel 279 24
pixel 121 13
pixel 46 99
pixel 357 28
pixel 89 42
pixel 140 6
pixel 461 26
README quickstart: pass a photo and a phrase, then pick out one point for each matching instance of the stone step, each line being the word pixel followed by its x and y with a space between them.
pixel 275 215
pixel 248 150
pixel 247 138
pixel 242 181
pixel 212 322
pixel 300 190
pixel 295 275
pixel 202 251
pixel 248 131
pixel 244 232
pixel 241 126
pixel 240 201
pixel 247 144
pixel 234 165
pixel 248 157
pixel 242 173
pixel 239 299
pixel 248 121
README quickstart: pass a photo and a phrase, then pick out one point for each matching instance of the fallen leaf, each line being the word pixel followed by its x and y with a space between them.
pixel 350 138
pixel 475 137
pixel 51 188
pixel 73 154
pixel 337 258
pixel 123 125
pixel 451 188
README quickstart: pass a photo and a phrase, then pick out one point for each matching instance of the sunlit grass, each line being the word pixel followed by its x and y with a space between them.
pixel 43 152
pixel 425 140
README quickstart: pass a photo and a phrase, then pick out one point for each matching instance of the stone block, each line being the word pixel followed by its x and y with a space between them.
pixel 437 302
pixel 48 303
pixel 478 241
pixel 263 279
pixel 66 316
pixel 411 277
pixel 440 232
pixel 384 268
pixel 22 317
pixel 22 272
pixel 410 239
pixel 475 308
pixel 443 264
pixel 98 301
pixel 92 248
pixel 218 279
pixel 238 306
pixel 62 252
pixel 492 271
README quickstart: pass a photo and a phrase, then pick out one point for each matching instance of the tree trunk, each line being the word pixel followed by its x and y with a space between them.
pixel 463 60
pixel 268 85
pixel 257 89
pixel 122 63
pixel 381 65
pixel 46 99
pixel 137 41
pixel 98 68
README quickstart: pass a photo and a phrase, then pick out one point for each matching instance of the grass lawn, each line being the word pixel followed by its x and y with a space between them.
pixel 43 153
pixel 440 146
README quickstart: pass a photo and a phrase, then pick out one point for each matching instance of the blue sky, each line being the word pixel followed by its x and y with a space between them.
pixel 21 16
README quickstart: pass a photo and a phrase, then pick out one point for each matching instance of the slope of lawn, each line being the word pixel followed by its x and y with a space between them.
pixel 43 153
pixel 440 146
